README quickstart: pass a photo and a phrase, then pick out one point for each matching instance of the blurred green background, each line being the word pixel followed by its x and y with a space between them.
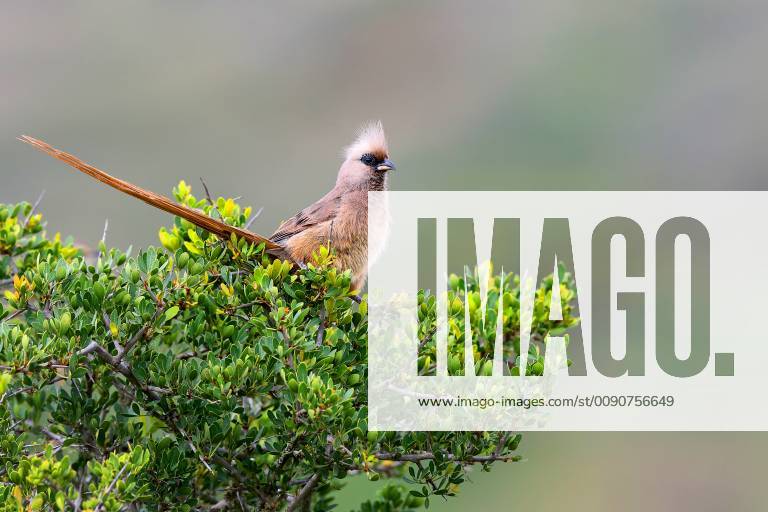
pixel 259 98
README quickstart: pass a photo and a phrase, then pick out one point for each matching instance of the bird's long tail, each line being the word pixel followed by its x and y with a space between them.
pixel 197 218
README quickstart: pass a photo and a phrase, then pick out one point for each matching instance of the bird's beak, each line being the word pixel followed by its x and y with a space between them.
pixel 386 165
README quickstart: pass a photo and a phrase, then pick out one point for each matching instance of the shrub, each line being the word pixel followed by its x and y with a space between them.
pixel 201 375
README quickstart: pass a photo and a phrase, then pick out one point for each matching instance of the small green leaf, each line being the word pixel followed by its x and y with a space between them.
pixel 171 312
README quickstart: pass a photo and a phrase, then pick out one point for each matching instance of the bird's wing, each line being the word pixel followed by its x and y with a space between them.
pixel 197 218
pixel 322 211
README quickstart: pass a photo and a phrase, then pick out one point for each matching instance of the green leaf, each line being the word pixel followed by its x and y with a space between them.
pixel 171 312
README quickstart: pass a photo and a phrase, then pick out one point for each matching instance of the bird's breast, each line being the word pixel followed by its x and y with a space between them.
pixel 378 225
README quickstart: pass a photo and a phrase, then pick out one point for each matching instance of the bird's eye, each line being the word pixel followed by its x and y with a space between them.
pixel 368 159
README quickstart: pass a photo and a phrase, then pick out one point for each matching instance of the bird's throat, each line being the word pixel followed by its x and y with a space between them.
pixel 377 181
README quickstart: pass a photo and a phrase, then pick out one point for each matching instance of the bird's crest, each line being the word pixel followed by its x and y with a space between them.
pixel 371 139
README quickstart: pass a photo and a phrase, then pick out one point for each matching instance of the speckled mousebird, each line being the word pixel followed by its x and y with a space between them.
pixel 339 218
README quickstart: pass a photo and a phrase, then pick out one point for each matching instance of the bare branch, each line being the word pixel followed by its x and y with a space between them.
pixel 139 335
pixel 16 313
pixel 220 505
pixel 210 199
pixel 132 341
pixel 428 478
pixel 109 489
pixel 192 353
pixel 303 493
pixel 254 217
pixel 34 208
pixel 106 228
pixel 52 436
pixel 416 457
pixel 218 459
pixel 94 348
pixel 27 389
pixel 321 328
pixel 103 238
pixel 502 441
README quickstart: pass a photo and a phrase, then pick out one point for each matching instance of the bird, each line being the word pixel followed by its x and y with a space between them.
pixel 339 219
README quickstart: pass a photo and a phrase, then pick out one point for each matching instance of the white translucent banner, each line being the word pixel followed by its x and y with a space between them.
pixel 671 291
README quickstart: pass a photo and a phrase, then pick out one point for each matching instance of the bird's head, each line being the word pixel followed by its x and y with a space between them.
pixel 367 162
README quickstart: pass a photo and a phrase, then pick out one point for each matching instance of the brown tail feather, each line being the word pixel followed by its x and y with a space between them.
pixel 197 218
